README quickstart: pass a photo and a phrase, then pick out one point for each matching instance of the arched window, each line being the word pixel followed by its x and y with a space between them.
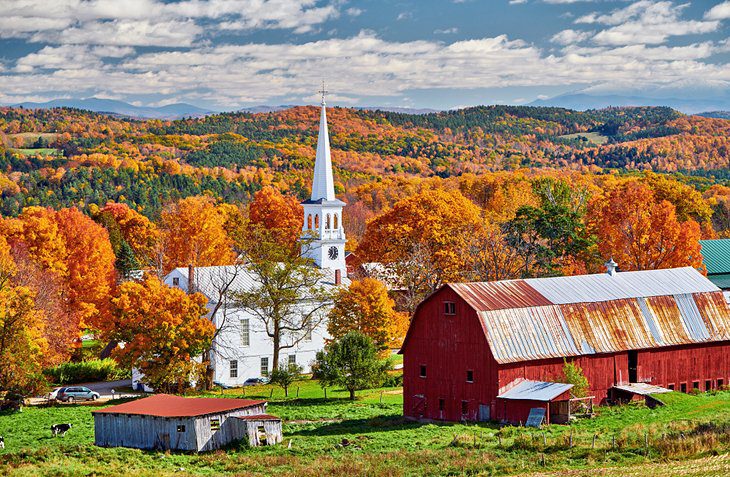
pixel 337 225
pixel 309 222
pixel 316 221
pixel 327 222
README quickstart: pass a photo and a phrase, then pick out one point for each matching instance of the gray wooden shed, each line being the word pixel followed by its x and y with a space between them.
pixel 172 422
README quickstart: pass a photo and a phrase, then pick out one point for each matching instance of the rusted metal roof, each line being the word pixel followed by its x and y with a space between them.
pixel 500 295
pixel 571 316
pixel 166 405
pixel 535 391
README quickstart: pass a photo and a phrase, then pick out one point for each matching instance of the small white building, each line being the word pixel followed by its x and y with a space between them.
pixel 242 349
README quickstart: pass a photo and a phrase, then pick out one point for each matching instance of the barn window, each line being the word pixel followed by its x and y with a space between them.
pixel 234 368
pixel 470 376
pixel 181 428
pixel 215 424
pixel 176 281
pixel 423 371
pixel 265 366
pixel 696 385
pixel 441 405
pixel 449 308
pixel 670 386
pixel 683 387
pixel 720 383
pixel 245 332
pixel 708 385
pixel 464 408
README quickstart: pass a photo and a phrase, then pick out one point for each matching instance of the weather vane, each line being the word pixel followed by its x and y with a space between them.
pixel 323 92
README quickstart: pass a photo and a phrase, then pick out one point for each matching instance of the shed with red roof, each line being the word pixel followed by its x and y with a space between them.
pixel 168 422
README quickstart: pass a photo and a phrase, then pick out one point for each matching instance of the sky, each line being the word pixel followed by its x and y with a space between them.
pixel 230 54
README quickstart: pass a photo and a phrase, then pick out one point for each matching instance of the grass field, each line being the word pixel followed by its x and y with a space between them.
pixel 687 429
pixel 592 137
pixel 45 151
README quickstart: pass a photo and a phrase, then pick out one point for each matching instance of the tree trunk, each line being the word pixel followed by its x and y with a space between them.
pixel 352 394
pixel 277 345
pixel 286 391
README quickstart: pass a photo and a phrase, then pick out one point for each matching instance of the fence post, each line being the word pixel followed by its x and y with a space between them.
pixel 271 393
pixel 571 439
pixel 381 397
pixel 544 440
pixel 325 393
pixel 593 446
pixel 297 392
pixel 646 444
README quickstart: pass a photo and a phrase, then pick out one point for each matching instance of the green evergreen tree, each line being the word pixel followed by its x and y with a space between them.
pixel 126 261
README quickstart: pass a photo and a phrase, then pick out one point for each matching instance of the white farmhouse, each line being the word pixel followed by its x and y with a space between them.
pixel 241 348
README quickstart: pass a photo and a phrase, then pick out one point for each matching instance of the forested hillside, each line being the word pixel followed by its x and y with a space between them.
pixel 63 157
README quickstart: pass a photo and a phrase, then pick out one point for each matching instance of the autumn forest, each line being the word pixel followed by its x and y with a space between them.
pixel 483 193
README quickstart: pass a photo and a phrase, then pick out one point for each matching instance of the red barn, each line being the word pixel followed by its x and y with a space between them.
pixel 470 344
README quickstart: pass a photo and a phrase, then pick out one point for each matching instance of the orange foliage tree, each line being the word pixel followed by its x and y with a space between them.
pixel 366 307
pixel 137 230
pixel 421 240
pixel 641 232
pixel 194 234
pixel 279 214
pixel 90 263
pixel 163 328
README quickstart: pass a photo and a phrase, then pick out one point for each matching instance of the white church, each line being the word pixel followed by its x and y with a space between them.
pixel 242 349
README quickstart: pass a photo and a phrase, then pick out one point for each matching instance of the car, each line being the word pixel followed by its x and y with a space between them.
pixel 255 381
pixel 76 393
pixel 53 394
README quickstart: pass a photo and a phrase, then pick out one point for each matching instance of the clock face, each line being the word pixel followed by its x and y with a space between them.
pixel 333 252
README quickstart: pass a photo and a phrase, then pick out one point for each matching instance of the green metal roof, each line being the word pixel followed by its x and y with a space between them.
pixel 720 280
pixel 716 254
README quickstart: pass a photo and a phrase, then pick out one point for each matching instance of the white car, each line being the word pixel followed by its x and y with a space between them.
pixel 53 394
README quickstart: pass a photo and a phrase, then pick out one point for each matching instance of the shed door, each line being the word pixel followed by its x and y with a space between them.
pixel 484 412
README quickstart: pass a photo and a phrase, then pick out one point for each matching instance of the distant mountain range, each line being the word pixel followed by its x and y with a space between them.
pixel 120 108
pixel 582 102
pixel 716 114
pixel 281 107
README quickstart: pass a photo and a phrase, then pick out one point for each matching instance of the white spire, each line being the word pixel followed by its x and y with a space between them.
pixel 323 186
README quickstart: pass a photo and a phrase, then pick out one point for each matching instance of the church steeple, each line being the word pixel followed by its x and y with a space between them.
pixel 323 236
pixel 323 186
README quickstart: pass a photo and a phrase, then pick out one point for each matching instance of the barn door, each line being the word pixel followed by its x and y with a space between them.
pixel 484 412
pixel 419 406
pixel 633 366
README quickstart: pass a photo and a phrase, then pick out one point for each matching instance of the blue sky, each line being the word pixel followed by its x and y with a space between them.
pixel 228 54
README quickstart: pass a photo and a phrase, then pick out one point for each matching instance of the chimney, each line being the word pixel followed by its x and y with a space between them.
pixel 611 267
pixel 338 277
pixel 191 278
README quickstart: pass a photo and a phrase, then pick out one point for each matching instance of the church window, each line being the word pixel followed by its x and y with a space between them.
pixel 327 222
pixel 336 222
pixel 233 368
pixel 245 332
pixel 316 221
pixel 265 366
pixel 309 222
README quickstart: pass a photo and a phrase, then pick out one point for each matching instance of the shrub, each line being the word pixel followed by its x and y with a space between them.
pixel 85 371
pixel 574 375
pixel 393 381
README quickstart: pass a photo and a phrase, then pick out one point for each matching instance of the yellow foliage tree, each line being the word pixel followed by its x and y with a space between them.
pixel 366 307
pixel 193 234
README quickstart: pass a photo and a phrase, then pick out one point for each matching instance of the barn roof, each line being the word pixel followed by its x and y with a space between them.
pixel 166 405
pixel 535 391
pixel 557 317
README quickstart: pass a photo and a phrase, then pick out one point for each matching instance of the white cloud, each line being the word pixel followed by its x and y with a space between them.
pixel 404 16
pixel 154 22
pixel 354 12
pixel 446 31
pixel 645 22
pixel 568 37
pixel 719 12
